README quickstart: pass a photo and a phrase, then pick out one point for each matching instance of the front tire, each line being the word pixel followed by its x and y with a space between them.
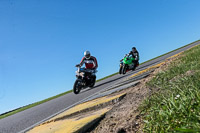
pixel 120 69
pixel 124 69
pixel 77 87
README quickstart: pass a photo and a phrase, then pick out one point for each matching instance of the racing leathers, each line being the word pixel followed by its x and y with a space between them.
pixel 136 56
pixel 90 63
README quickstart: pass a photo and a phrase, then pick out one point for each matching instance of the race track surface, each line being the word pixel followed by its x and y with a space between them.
pixel 25 120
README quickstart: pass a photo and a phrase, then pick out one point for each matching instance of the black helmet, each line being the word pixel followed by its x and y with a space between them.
pixel 134 48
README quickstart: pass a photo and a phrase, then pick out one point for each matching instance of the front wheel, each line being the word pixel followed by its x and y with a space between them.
pixel 77 86
pixel 124 69
pixel 120 69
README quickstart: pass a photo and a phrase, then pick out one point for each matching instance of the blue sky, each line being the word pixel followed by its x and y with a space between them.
pixel 42 40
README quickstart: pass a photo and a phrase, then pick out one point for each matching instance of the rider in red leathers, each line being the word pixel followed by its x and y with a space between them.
pixel 89 61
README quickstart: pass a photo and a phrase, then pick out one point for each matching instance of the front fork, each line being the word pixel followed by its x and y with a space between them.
pixel 121 64
pixel 82 81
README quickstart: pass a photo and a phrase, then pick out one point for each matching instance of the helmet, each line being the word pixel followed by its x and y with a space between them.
pixel 87 54
pixel 133 49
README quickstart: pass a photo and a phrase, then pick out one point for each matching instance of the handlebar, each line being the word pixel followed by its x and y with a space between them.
pixel 78 65
pixel 85 70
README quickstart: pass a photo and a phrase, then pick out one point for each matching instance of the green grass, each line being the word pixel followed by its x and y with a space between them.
pixel 174 105
pixel 43 101
pixel 32 105
pixel 169 52
pixel 149 60
pixel 40 102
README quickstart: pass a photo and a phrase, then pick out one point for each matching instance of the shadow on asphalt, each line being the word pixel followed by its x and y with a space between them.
pixel 147 65
pixel 85 90
pixel 127 74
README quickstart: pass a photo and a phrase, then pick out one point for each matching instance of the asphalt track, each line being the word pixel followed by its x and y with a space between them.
pixel 29 118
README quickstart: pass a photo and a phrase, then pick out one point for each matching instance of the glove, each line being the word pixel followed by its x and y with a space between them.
pixel 78 65
pixel 94 70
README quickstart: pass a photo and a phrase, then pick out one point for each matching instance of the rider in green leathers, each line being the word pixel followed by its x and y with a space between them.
pixel 135 54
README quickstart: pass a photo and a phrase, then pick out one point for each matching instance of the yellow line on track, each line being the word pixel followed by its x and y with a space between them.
pixel 63 124
pixel 87 105
pixel 69 125
pixel 146 70
pixel 158 65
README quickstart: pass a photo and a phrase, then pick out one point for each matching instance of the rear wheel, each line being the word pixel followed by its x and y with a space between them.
pixel 77 86
pixel 124 69
pixel 93 82
pixel 134 67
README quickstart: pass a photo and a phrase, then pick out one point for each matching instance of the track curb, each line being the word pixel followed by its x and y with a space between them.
pixel 88 124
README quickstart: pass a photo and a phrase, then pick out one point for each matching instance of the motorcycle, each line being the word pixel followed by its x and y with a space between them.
pixel 85 78
pixel 126 64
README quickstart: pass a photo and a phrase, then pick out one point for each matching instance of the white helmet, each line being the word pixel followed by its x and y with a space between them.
pixel 87 54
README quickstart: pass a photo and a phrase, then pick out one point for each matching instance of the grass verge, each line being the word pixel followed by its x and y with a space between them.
pixel 40 102
pixel 43 101
pixel 149 60
pixel 175 104
pixel 31 105
pixel 169 52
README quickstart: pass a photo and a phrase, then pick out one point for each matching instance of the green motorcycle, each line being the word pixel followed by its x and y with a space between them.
pixel 126 64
